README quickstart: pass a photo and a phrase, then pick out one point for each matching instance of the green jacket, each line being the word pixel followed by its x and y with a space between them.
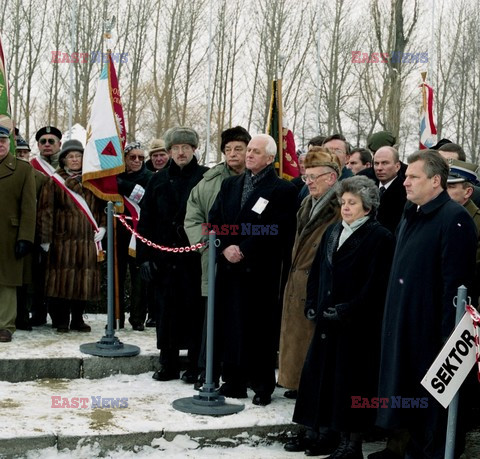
pixel 199 203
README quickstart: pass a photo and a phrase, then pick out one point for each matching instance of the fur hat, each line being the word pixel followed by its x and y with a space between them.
pixel 237 133
pixel 156 145
pixel 321 156
pixel 180 135
pixel 381 139
pixel 67 147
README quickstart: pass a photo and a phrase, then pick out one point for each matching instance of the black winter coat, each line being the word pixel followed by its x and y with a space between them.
pixel 178 276
pixel 434 255
pixel 343 357
pixel 248 303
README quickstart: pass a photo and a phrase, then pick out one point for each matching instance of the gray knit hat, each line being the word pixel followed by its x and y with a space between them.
pixel 180 135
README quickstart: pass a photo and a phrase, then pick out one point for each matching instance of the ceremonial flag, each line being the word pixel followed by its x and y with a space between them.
pixel 103 156
pixel 286 161
pixel 5 109
pixel 428 130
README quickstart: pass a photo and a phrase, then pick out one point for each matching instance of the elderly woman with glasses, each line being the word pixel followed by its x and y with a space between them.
pixel 131 185
pixel 72 274
pixel 345 298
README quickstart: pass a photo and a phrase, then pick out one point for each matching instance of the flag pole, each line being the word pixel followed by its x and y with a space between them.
pixel 281 60
pixel 209 98
pixel 73 46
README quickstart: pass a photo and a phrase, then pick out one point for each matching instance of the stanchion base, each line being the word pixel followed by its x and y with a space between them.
pixel 209 406
pixel 110 346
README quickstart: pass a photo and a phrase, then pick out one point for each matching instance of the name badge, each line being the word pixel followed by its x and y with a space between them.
pixel 260 205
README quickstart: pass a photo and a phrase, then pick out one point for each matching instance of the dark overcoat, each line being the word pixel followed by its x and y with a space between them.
pixel 343 357
pixel 178 300
pixel 17 221
pixel 434 255
pixel 296 330
pixel 392 203
pixel 248 292
pixel 72 270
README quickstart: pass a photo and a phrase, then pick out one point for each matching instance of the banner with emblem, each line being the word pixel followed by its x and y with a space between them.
pixel 5 109
pixel 286 161
pixel 103 156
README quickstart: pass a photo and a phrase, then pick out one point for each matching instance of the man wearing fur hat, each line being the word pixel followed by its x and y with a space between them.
pixel 176 276
pixel 318 210
pixel 158 156
pixel 17 226
pixel 234 147
pixel 260 210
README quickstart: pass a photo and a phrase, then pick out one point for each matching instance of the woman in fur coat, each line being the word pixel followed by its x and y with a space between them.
pixel 72 275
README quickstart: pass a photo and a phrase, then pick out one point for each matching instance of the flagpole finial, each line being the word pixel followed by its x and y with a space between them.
pixel 281 65
pixel 109 25
pixel 424 76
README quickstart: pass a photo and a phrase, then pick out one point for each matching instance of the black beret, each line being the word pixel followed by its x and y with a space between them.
pixel 48 130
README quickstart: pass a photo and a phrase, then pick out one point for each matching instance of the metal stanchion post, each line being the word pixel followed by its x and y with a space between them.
pixel 110 345
pixel 208 401
pixel 453 407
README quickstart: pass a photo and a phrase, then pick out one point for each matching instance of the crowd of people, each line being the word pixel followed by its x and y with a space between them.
pixel 346 274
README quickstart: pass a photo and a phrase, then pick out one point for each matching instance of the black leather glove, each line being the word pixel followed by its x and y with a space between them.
pixel 147 270
pixel 331 314
pixel 22 248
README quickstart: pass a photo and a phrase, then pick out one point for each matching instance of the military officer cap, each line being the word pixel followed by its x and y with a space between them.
pixel 48 130
pixel 4 132
pixel 461 171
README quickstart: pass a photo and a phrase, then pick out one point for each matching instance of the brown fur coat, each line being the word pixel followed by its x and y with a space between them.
pixel 72 272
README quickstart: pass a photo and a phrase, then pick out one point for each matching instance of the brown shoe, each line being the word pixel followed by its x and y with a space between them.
pixel 5 336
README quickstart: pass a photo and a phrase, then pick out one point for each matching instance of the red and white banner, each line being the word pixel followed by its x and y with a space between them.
pixel 428 130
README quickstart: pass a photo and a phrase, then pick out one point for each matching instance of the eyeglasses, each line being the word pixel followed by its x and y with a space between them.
pixel 44 141
pixel 183 148
pixel 313 177
pixel 136 157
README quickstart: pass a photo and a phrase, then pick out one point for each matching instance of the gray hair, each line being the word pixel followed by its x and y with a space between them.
pixel 364 188
pixel 271 145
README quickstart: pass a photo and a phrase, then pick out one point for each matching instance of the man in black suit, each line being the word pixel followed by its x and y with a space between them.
pixel 386 165
pixel 254 215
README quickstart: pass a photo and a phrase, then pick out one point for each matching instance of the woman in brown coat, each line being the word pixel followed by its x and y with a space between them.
pixel 72 275
pixel 317 212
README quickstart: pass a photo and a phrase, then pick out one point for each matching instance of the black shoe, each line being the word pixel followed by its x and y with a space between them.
pixel 138 327
pixel 150 322
pixel 384 454
pixel 164 374
pixel 298 443
pixel 229 390
pixel 81 327
pixel 23 325
pixel 62 328
pixel 291 394
pixel 262 399
pixel 321 447
pixel 189 376
pixel 37 321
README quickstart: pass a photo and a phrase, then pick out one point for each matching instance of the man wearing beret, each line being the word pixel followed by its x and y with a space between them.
pixel 234 147
pixel 176 276
pixel 49 143
pixel 17 226
pixel 260 210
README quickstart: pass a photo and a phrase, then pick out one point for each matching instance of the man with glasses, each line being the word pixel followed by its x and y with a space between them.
pixel 176 276
pixel 131 184
pixel 49 143
pixel 337 144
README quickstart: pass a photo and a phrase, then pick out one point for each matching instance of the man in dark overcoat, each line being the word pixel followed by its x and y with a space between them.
pixel 434 255
pixel 176 276
pixel 17 227
pixel 260 208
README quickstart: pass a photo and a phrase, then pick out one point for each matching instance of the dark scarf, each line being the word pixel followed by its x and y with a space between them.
pixel 252 181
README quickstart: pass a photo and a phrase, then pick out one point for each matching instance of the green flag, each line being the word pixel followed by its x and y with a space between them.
pixel 5 111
